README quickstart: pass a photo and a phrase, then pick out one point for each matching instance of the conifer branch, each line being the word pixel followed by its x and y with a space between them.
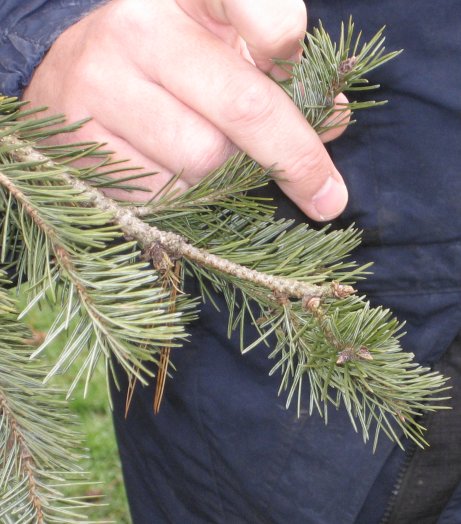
pixel 27 467
pixel 291 282
pixel 35 432
pixel 84 252
pixel 152 238
pixel 87 285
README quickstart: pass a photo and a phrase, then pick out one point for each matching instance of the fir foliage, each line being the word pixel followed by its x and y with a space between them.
pixel 115 272
pixel 38 440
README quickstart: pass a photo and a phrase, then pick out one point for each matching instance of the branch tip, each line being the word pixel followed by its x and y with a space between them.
pixel 350 354
pixel 342 290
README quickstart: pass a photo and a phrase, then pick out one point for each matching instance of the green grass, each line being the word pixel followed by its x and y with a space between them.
pixel 106 484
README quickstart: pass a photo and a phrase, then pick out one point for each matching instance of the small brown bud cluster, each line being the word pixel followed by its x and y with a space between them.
pixel 37 338
pixel 282 298
pixel 311 303
pixel 159 257
pixel 341 290
pixel 349 354
pixel 346 66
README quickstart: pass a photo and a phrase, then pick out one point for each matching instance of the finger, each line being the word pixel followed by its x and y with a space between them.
pixel 130 157
pixel 340 119
pixel 270 28
pixel 162 128
pixel 251 110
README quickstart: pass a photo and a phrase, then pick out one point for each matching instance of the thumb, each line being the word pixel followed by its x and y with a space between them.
pixel 251 109
pixel 313 183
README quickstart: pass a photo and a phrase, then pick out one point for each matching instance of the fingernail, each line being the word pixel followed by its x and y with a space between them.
pixel 331 199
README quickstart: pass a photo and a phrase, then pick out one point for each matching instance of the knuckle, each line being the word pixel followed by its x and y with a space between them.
pixel 120 15
pixel 289 31
pixel 89 74
pixel 126 17
pixel 250 103
pixel 209 154
pixel 310 168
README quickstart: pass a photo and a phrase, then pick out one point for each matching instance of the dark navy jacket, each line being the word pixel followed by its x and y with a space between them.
pixel 223 448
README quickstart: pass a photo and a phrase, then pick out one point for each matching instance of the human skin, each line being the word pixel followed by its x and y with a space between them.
pixel 179 86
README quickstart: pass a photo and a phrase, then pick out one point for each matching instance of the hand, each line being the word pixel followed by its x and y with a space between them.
pixel 178 86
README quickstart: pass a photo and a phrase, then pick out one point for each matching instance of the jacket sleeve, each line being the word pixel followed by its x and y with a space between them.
pixel 28 28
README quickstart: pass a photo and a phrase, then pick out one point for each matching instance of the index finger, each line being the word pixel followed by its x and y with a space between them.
pixel 270 28
pixel 248 107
